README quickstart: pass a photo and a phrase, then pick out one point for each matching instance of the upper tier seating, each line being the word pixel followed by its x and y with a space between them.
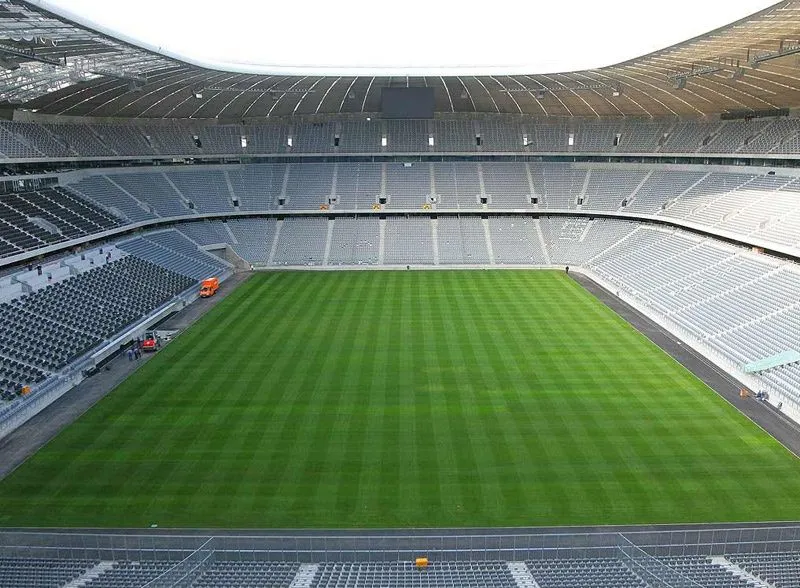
pixel 35 219
pixel 753 204
pixel 485 133
pixel 104 191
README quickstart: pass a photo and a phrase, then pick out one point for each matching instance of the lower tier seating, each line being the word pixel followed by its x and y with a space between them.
pixel 55 323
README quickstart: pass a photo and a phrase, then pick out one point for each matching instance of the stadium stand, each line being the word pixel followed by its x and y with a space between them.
pixel 462 241
pixel 65 217
pixel 38 573
pixel 515 241
pixel 301 242
pixel 703 571
pixel 172 139
pixel 207 232
pixel 248 573
pixel 26 140
pixel 375 575
pixel 408 241
pixel 745 204
pixel 127 574
pixel 457 185
pixel 609 189
pixel 124 139
pixel 407 185
pixel 558 185
pixel 257 187
pixel 221 139
pixel 171 250
pixel 577 240
pixel 55 315
pixel 271 138
pixel 746 570
pixel 507 183
pixel 359 136
pixel 500 135
pixel 453 135
pixel 638 136
pixel 659 187
pixel 155 190
pixel 38 138
pixel 407 135
pixel 308 186
pixel 207 191
pixel 357 185
pixel 355 241
pixel 317 137
pixel 105 192
pixel 779 569
pixel 252 238
pixel 78 313
pixel 579 573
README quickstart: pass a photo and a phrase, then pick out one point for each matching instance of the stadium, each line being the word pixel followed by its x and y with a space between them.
pixel 360 331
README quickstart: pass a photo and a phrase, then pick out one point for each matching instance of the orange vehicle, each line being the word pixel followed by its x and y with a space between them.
pixel 209 287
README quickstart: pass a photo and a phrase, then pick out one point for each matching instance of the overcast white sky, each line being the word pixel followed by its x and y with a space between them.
pixel 410 37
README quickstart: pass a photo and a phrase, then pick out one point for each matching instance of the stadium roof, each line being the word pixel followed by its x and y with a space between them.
pixel 56 66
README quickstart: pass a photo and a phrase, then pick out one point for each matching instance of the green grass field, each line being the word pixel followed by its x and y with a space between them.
pixel 399 399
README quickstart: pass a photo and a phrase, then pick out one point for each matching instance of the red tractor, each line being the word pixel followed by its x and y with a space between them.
pixel 150 342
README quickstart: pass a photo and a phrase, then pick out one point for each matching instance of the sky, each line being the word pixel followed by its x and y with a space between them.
pixel 411 37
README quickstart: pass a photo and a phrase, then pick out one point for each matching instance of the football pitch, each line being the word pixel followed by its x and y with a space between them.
pixel 407 399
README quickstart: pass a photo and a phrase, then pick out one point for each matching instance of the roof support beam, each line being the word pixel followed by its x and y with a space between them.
pixel 30 55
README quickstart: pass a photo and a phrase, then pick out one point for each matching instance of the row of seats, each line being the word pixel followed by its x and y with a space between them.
pixel 490 134
pixel 598 572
